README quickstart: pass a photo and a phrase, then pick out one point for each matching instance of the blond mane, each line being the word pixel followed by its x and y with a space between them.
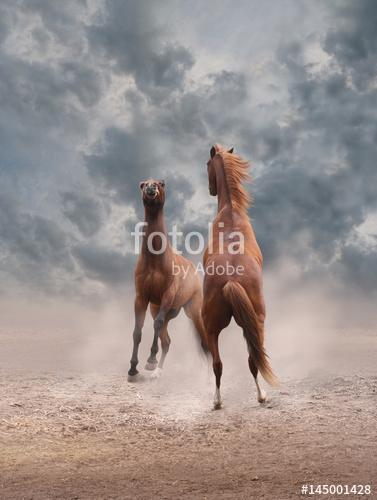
pixel 236 172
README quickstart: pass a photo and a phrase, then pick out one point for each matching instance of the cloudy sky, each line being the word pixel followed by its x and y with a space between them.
pixel 99 95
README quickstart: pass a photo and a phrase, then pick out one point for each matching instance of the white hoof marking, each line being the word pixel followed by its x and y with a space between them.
pixel 262 396
pixel 156 373
pixel 150 366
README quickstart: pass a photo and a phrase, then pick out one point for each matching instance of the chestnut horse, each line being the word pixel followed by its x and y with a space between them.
pixel 165 280
pixel 233 244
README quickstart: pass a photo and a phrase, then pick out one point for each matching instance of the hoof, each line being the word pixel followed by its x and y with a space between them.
pixel 133 378
pixel 151 366
pixel 156 374
pixel 262 397
pixel 217 405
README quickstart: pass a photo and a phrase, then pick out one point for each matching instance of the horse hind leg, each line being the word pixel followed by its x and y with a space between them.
pixel 261 394
pixel 158 324
pixel 213 342
pixel 165 339
pixel 165 344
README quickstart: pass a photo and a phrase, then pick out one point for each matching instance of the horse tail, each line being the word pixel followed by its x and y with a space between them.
pixel 245 315
pixel 193 311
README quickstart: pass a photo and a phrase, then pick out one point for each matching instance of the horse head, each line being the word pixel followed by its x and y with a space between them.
pixel 153 193
pixel 211 167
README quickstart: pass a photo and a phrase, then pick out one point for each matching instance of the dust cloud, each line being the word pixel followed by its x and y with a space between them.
pixel 309 332
pixel 71 426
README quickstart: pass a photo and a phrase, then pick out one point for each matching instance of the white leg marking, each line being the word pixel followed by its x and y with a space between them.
pixel 150 366
pixel 262 396
pixel 156 373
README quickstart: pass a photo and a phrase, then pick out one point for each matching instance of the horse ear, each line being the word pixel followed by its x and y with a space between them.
pixel 162 183
pixel 212 151
pixel 141 185
pixel 230 150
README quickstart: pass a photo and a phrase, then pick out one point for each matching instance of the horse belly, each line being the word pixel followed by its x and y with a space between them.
pixel 181 297
pixel 154 286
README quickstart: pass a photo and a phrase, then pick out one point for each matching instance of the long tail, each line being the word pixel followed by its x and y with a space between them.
pixel 202 337
pixel 244 313
pixel 200 332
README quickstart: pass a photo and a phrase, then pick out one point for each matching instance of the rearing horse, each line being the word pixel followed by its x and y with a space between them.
pixel 165 280
pixel 233 245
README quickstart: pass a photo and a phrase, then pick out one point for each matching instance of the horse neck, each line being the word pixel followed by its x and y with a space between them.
pixel 223 193
pixel 226 212
pixel 155 223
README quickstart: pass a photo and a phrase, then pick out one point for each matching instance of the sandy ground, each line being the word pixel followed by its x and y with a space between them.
pixel 74 429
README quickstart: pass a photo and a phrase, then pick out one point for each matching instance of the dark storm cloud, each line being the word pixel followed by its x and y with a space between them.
pixel 61 20
pixel 309 129
pixel 33 248
pixel 179 190
pixel 124 160
pixel 84 212
pixel 44 95
pixel 42 101
pixel 315 186
pixel 300 213
pixel 129 35
pixel 357 266
pixel 207 112
pixel 308 203
pixel 354 40
pixel 105 265
pixel 3 25
pixel 35 238
pixel 39 87
pixel 121 161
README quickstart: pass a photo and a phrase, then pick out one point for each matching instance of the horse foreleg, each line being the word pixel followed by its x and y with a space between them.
pixel 140 311
pixel 158 325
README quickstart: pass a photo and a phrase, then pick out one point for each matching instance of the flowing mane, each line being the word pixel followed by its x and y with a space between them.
pixel 236 172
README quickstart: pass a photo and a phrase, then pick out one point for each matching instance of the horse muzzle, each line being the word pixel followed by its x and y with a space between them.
pixel 151 192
